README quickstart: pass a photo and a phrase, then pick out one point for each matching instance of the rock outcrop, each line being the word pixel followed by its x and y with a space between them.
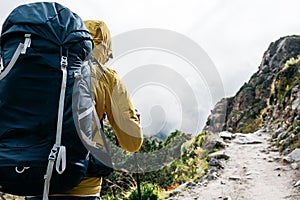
pixel 272 94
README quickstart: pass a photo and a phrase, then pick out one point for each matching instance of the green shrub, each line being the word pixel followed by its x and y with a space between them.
pixel 149 191
pixel 185 161
pixel 251 125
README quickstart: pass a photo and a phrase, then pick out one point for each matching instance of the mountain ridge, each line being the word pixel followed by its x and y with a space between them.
pixel 237 113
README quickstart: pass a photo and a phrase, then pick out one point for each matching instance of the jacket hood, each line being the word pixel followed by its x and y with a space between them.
pixel 100 33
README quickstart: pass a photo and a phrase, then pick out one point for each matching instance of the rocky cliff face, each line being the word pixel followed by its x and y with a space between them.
pixel 282 118
pixel 269 99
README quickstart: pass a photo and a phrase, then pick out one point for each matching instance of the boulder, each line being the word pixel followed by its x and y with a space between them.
pixel 219 155
pixel 295 155
pixel 225 135
pixel 247 139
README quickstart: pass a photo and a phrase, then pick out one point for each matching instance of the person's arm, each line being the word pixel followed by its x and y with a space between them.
pixel 120 111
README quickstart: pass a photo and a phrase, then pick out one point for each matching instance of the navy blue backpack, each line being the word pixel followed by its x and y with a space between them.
pixel 44 47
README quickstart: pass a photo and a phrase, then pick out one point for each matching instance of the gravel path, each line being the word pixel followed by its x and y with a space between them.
pixel 252 172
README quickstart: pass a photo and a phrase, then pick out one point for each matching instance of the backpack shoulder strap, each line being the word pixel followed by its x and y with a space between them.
pixel 96 62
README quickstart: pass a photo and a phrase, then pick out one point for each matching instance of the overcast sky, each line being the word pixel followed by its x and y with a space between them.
pixel 233 33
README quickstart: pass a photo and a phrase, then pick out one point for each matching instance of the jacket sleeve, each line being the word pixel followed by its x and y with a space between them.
pixel 113 99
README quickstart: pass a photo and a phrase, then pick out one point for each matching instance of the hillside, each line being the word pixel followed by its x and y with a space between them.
pixel 260 127
pixel 270 99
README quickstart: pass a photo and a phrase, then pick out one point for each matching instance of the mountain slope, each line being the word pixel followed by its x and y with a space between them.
pixel 243 112
pixel 268 102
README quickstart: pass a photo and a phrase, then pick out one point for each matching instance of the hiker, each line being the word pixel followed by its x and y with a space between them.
pixel 111 99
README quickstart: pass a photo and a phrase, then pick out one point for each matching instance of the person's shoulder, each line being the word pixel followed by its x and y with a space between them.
pixel 111 73
pixel 109 70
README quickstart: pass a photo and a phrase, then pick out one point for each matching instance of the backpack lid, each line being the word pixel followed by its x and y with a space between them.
pixel 49 20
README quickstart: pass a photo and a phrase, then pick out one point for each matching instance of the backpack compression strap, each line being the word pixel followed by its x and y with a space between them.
pixel 21 49
pixel 58 152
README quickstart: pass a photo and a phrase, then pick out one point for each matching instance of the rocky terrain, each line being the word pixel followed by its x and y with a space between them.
pixel 248 168
pixel 279 68
pixel 260 128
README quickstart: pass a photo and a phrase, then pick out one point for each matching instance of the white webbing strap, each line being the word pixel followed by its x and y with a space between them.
pixel 85 113
pixel 64 63
pixel 98 124
pixel 21 49
pixel 48 174
pixel 57 148
pixel 1 65
pixel 61 160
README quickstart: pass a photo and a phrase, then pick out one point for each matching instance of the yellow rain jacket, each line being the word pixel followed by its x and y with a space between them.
pixel 112 99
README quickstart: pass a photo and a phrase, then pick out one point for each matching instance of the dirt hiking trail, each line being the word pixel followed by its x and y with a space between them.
pixel 253 172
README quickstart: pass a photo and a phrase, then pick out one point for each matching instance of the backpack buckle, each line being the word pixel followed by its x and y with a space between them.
pixel 53 154
pixel 64 61
pixel 27 43
pixel 77 74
